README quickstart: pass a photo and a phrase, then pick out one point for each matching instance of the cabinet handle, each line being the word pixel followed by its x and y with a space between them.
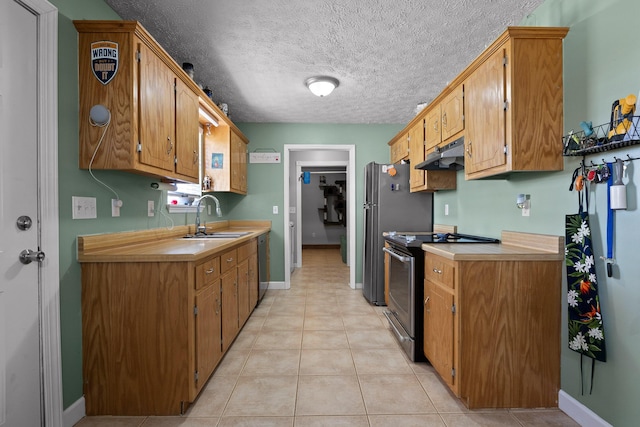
pixel 444 120
pixel 209 271
pixel 230 259
pixel 435 270
pixel 195 157
pixel 426 300
pixel 468 149
pixel 435 126
pixel 218 306
pixel 170 145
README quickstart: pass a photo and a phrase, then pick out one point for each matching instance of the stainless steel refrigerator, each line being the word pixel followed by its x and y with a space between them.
pixel 388 206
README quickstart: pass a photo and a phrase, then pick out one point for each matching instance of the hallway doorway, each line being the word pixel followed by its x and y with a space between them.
pixel 296 156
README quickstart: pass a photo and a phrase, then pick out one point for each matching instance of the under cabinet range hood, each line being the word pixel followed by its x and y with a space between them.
pixel 447 157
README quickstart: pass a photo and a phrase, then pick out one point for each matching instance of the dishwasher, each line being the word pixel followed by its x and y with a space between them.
pixel 263 260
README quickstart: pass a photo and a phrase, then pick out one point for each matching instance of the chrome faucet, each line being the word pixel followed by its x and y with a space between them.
pixel 201 229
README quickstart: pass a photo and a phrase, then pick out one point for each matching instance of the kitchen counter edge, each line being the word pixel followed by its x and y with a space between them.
pixel 514 246
pixel 161 245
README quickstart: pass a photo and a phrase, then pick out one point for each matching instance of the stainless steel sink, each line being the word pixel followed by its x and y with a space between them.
pixel 218 235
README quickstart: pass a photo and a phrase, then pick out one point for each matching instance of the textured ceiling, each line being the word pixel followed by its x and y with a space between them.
pixel 388 55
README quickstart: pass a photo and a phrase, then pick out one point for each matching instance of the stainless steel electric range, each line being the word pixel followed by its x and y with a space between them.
pixel 405 259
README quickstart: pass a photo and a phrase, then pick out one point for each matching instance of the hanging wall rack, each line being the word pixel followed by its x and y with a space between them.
pixel 602 138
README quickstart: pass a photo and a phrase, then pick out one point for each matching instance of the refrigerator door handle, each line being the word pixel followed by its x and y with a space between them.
pixel 397 255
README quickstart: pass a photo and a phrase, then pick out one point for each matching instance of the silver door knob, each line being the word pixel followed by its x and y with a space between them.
pixel 28 256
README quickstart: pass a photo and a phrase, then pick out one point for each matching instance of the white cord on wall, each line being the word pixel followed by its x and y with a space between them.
pixel 104 125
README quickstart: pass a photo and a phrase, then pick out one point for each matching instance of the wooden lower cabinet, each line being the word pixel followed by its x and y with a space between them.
pixel 492 330
pixel 154 332
pixel 229 290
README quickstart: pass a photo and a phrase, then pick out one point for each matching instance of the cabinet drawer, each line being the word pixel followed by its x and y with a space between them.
pixel 247 249
pixel 438 270
pixel 207 272
pixel 228 260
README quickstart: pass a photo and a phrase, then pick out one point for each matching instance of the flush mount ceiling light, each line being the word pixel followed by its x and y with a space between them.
pixel 321 85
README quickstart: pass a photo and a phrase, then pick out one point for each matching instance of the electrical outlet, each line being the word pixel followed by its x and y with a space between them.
pixel 151 210
pixel 83 207
pixel 115 207
pixel 292 210
pixel 275 210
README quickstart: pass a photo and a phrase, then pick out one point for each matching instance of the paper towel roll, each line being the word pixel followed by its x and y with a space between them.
pixel 618 195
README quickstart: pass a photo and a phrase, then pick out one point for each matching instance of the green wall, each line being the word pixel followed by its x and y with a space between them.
pixel 601 64
pixel 266 181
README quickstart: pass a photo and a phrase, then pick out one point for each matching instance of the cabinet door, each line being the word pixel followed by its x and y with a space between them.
pixel 157 111
pixel 452 113
pixel 439 330
pixel 243 292
pixel 229 286
pixel 238 163
pixel 187 132
pixel 416 152
pixel 208 329
pixel 432 135
pixel 485 139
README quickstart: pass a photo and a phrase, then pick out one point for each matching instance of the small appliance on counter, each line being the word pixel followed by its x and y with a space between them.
pixel 406 278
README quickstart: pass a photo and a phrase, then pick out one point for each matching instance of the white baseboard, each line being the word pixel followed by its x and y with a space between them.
pixel 358 285
pixel 277 285
pixel 74 413
pixel 580 413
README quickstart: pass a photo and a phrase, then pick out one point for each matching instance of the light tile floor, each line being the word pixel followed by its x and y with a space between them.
pixel 319 355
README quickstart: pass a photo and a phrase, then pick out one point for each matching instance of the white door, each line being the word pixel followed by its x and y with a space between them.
pixel 20 353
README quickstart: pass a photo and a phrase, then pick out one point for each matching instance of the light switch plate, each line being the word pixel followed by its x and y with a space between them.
pixel 151 210
pixel 83 207
pixel 275 210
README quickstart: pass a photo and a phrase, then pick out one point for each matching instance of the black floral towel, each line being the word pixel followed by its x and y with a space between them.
pixel 586 331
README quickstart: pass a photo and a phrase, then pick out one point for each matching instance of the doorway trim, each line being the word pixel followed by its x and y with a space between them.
pixel 299 166
pixel 49 270
pixel 351 205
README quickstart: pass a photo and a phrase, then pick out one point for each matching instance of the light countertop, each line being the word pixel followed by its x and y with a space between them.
pixel 514 246
pixel 162 245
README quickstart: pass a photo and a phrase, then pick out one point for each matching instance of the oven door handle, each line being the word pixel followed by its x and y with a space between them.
pixel 401 337
pixel 397 255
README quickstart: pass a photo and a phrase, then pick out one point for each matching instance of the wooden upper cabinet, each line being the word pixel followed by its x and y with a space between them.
pixel 139 88
pixel 157 110
pixel 485 134
pixel 452 113
pixel 430 180
pixel 187 132
pixel 225 151
pixel 445 119
pixel 399 148
pixel 514 104
pixel 432 127
pixel 508 106
pixel 154 105
pixel 416 153
pixel 238 163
